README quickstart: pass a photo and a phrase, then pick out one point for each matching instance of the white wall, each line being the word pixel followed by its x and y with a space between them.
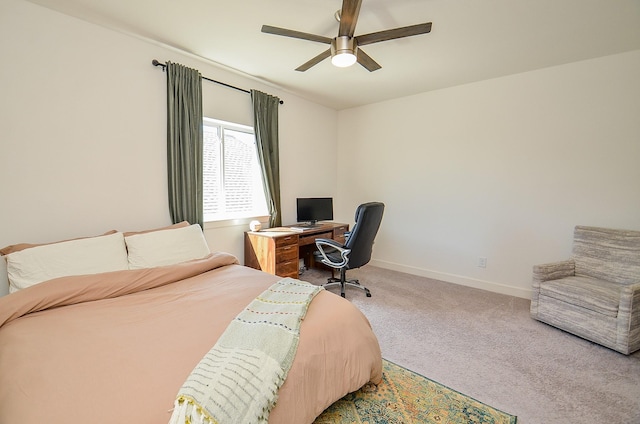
pixel 83 121
pixel 502 169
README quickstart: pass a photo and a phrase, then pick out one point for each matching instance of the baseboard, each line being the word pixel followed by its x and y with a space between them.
pixel 456 279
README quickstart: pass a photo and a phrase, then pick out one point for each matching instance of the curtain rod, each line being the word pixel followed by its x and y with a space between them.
pixel 154 62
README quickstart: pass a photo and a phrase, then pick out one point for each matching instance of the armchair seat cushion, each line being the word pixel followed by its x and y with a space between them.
pixel 590 293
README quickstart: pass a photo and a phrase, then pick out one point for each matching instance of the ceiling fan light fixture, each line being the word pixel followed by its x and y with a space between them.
pixel 344 60
pixel 343 52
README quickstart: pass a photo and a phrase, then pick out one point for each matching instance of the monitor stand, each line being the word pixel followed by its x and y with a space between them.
pixel 306 225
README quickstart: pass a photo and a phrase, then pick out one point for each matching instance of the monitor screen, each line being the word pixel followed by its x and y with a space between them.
pixel 313 209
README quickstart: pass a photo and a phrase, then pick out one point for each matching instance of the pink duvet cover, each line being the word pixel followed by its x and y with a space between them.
pixel 116 347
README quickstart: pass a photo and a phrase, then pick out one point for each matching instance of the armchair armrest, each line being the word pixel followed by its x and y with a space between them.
pixel 553 271
pixel 630 297
pixel 628 314
pixel 322 244
pixel 547 272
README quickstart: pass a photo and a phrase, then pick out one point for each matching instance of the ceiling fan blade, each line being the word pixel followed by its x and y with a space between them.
pixel 349 17
pixel 366 61
pixel 322 56
pixel 391 34
pixel 295 34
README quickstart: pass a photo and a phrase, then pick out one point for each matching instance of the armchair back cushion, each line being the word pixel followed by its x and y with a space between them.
pixel 607 254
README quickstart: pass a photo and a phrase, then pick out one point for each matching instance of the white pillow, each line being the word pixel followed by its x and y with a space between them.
pixel 74 257
pixel 166 247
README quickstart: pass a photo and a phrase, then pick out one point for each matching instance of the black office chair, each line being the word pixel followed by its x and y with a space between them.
pixel 357 249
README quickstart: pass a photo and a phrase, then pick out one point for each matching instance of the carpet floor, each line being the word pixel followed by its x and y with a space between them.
pixel 486 346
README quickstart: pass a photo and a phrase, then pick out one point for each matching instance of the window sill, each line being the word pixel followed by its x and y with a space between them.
pixel 238 222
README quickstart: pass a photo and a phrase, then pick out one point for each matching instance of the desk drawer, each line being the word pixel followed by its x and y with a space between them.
pixel 287 253
pixel 288 268
pixel 286 240
pixel 339 233
pixel 311 239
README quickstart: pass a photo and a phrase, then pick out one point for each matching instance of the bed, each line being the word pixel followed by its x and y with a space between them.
pixel 115 346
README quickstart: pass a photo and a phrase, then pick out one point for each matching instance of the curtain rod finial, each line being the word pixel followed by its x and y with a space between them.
pixel 155 62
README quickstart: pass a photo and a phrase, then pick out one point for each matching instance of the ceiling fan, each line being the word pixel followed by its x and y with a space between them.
pixel 345 48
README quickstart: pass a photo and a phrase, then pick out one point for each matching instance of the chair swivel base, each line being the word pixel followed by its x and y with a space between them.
pixel 352 283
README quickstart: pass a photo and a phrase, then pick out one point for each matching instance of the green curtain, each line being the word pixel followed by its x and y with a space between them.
pixel 265 118
pixel 184 143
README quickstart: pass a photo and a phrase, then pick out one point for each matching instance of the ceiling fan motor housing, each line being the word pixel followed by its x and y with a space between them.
pixel 343 47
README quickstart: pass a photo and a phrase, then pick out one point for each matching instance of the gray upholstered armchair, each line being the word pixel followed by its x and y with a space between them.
pixel 596 293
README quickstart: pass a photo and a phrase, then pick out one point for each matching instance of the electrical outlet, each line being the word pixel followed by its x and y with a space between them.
pixel 482 262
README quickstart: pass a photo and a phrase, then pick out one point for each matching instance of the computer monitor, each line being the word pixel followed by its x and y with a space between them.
pixel 314 209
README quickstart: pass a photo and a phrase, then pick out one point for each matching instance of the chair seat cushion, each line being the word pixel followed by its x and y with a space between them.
pixel 332 254
pixel 590 293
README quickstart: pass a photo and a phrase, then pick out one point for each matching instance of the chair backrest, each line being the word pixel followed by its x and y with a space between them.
pixel 607 254
pixel 363 233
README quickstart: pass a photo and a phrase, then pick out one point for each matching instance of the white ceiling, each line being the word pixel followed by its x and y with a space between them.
pixel 471 40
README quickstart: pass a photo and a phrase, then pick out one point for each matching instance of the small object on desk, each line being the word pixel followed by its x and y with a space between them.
pixel 255 225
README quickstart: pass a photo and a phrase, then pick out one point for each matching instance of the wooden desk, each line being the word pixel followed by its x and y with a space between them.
pixel 279 250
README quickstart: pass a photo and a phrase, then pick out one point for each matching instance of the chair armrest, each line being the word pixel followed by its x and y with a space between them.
pixel 344 253
pixel 327 242
pixel 553 271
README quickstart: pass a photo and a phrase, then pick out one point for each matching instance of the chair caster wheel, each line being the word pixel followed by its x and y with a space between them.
pixel 342 294
pixel 368 294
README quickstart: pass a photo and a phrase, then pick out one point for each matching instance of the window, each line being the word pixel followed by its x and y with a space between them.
pixel 232 179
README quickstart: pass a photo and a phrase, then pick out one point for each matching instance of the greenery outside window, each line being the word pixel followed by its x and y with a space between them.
pixel 232 179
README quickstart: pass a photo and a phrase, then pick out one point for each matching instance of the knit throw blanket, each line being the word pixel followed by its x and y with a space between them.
pixel 237 381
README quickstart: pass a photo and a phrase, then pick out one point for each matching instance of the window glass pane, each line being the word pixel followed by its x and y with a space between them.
pixel 239 167
pixel 232 177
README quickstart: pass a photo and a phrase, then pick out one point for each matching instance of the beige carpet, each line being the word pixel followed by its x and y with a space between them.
pixel 486 346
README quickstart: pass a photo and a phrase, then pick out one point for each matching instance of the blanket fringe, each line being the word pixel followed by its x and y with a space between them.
pixel 187 411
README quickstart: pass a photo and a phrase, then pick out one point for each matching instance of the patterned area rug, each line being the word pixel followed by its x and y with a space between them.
pixel 405 397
